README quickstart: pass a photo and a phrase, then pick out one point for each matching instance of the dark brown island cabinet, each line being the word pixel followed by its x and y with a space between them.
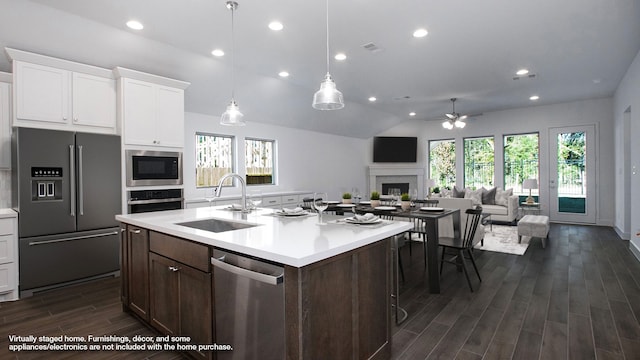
pixel 337 308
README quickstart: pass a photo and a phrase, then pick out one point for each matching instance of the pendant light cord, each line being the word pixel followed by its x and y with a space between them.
pixel 327 18
pixel 233 57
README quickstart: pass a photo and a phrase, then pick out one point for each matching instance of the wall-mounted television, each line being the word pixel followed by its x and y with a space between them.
pixel 395 149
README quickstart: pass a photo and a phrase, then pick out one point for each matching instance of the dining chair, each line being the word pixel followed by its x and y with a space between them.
pixel 462 244
pixel 401 243
pixel 420 227
pixel 307 204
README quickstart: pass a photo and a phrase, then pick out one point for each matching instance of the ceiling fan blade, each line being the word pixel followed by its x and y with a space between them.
pixel 451 116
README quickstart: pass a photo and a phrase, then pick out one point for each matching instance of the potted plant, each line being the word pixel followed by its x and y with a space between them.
pixel 346 198
pixel 375 199
pixel 435 192
pixel 405 201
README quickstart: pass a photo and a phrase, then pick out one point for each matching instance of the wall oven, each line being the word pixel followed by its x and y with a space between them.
pixel 140 201
pixel 145 168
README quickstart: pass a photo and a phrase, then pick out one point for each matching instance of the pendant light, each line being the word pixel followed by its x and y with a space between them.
pixel 232 116
pixel 328 97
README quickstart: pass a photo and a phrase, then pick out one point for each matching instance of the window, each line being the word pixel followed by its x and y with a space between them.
pixel 442 162
pixel 521 154
pixel 214 159
pixel 259 160
pixel 478 162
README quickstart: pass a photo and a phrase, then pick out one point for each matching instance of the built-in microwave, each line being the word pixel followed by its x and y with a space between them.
pixel 146 168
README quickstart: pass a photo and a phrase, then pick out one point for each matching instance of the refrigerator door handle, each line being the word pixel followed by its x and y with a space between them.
pixel 72 180
pixel 73 238
pixel 80 182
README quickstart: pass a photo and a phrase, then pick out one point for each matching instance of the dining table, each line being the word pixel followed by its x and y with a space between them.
pixel 430 217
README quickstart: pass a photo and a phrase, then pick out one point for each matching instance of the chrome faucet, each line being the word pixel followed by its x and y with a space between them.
pixel 244 189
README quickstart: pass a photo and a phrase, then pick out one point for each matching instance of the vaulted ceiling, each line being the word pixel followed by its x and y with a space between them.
pixel 575 49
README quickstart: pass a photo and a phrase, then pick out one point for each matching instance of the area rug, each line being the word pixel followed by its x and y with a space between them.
pixel 504 239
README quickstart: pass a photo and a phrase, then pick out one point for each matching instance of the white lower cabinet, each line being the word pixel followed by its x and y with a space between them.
pixel 8 255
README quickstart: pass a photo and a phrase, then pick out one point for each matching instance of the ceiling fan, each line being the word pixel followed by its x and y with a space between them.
pixel 454 119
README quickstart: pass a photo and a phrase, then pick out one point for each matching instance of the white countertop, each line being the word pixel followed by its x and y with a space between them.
pixel 294 241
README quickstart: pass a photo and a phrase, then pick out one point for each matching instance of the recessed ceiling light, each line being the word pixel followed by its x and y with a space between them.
pixel 135 25
pixel 412 114
pixel 217 52
pixel 522 72
pixel 534 97
pixel 340 56
pixel 420 33
pixel 276 26
pixel 372 99
pixel 283 74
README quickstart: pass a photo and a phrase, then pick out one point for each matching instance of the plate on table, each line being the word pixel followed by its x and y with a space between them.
pixel 346 205
pixel 366 202
pixel 353 220
pixel 332 202
pixel 385 207
pixel 292 213
pixel 430 208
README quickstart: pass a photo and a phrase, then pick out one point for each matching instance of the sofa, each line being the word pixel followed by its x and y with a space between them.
pixel 503 208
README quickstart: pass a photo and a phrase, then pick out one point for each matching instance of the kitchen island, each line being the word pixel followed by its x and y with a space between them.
pixel 337 279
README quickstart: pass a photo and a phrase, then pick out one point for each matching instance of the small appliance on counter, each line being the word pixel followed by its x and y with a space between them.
pixel 66 188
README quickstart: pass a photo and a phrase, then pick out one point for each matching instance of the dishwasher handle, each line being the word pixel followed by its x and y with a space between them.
pixel 258 276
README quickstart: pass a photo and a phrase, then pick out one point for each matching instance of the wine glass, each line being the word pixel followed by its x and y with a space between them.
pixel 210 194
pixel 320 203
pixel 414 196
pixel 356 195
pixel 255 199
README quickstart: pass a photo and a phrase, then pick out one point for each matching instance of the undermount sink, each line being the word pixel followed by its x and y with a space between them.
pixel 216 225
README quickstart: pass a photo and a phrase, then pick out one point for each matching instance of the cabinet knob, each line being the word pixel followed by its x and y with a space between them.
pixel 173 268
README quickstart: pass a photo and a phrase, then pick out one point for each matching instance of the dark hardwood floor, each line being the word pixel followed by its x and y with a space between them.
pixel 577 299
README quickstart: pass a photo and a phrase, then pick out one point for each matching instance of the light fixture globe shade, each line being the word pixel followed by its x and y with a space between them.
pixel 232 116
pixel 460 124
pixel 447 125
pixel 328 97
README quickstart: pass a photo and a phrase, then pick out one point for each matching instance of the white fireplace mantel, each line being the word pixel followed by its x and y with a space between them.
pixel 400 170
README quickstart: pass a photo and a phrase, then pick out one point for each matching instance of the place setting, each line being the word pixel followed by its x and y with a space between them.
pixel 367 219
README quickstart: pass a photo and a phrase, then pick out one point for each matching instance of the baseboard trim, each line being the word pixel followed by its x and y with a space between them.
pixel 634 250
pixel 623 235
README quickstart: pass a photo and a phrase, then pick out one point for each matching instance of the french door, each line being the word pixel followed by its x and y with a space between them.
pixel 572 174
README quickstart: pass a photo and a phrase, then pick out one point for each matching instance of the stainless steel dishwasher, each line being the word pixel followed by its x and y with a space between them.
pixel 249 307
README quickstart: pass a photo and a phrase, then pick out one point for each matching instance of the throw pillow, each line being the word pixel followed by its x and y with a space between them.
pixel 502 196
pixel 457 193
pixel 474 195
pixel 489 196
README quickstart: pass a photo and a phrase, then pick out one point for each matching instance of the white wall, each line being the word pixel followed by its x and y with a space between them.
pixel 626 108
pixel 306 160
pixel 527 120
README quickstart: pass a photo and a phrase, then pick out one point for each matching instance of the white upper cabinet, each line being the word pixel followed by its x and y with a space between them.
pixel 152 109
pixel 5 121
pixel 58 94
pixel 42 93
pixel 94 101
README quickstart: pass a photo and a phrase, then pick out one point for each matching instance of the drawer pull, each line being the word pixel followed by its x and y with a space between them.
pixel 135 231
pixel 173 268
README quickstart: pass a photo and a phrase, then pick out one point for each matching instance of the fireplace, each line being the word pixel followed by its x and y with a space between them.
pixel 397 174
pixel 404 187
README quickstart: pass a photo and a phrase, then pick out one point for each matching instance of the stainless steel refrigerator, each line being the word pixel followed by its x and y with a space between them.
pixel 66 188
